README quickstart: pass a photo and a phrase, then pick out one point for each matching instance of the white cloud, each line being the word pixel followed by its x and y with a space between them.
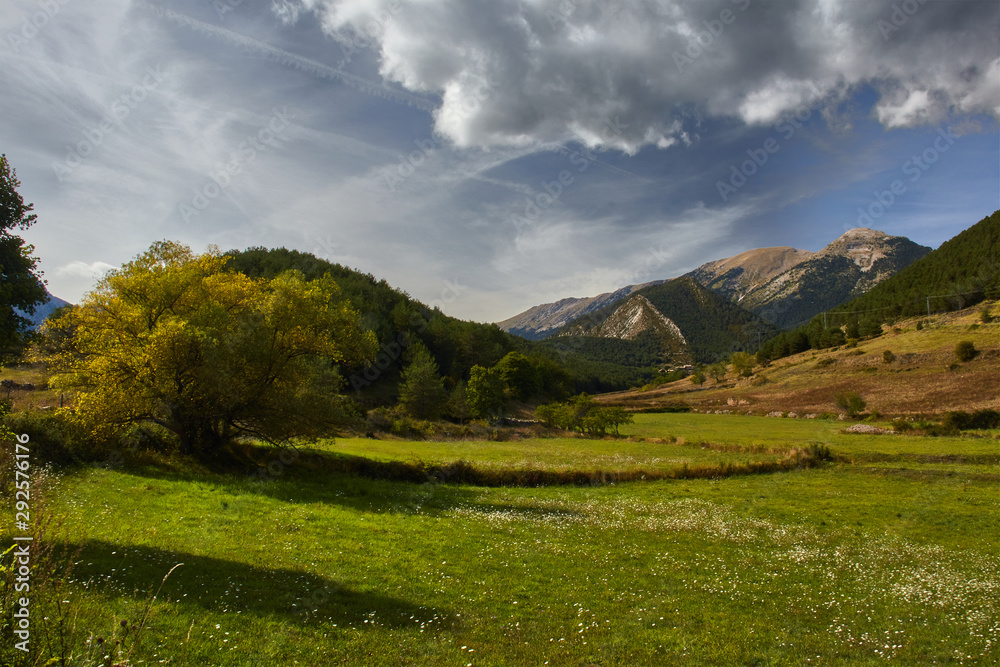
pixel 79 269
pixel 569 69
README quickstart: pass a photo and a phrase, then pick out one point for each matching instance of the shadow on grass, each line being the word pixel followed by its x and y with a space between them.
pixel 308 486
pixel 205 583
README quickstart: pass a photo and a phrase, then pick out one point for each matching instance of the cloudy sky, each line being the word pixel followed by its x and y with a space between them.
pixel 490 155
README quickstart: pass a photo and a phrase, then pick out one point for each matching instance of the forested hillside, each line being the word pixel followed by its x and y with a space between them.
pixel 962 272
pixel 404 326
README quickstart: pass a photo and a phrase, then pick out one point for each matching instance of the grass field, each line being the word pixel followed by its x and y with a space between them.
pixel 892 559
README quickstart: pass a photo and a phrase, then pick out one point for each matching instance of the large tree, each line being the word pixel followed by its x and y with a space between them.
pixel 173 339
pixel 485 393
pixel 21 288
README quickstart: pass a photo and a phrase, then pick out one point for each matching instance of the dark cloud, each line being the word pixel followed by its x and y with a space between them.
pixel 621 75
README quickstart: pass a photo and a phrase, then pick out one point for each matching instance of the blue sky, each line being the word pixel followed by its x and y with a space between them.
pixel 490 156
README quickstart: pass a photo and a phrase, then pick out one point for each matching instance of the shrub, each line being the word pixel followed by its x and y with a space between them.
pixel 966 351
pixel 920 325
pixel 964 421
pixel 850 402
pixel 758 381
pixel 698 378
pixel 819 452
pixel 984 315
pixel 901 426
pixel 824 362
pixel 888 357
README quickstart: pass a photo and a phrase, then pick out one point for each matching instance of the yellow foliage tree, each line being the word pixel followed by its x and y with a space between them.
pixel 174 339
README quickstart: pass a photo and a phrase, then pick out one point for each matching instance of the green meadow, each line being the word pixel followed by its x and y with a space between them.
pixel 888 555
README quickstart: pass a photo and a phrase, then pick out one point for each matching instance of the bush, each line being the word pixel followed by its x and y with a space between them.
pixel 824 362
pixel 758 381
pixel 888 357
pixel 819 452
pixel 964 421
pixel 901 426
pixel 966 351
pixel 850 402
pixel 920 325
pixel 984 315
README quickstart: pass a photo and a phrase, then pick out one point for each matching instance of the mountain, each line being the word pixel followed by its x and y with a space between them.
pixel 737 276
pixel 784 285
pixel 637 316
pixel 541 321
pixel 43 311
pixel 710 325
pixel 962 272
pixel 850 266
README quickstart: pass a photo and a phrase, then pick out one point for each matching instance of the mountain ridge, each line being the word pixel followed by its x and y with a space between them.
pixel 782 284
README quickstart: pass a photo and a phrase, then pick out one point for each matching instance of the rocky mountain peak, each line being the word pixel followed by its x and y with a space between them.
pixel 862 246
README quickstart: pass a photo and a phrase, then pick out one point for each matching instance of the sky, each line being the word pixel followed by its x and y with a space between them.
pixel 486 156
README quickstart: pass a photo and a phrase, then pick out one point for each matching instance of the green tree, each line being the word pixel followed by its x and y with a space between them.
pixel 421 392
pixel 743 364
pixel 457 405
pixel 698 378
pixel 718 371
pixel 485 392
pixel 520 375
pixel 547 414
pixel 850 402
pixel 22 288
pixel 870 327
pixel 173 339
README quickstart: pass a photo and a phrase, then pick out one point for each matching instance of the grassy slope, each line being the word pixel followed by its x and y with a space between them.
pixel 918 382
pixel 846 564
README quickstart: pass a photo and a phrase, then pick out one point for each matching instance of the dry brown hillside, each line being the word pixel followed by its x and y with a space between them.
pixel 924 377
